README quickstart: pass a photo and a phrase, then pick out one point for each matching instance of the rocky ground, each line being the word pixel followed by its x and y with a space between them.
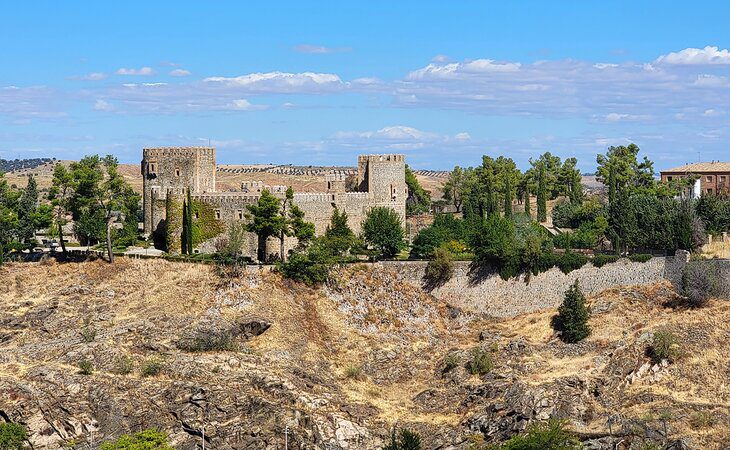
pixel 337 367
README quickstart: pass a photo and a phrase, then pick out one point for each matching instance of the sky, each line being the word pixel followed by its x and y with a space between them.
pixel 443 82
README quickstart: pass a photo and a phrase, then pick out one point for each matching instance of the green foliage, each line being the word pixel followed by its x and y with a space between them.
pixel 572 215
pixel 230 247
pixel 123 365
pixel 440 269
pixel 699 284
pixel 621 170
pixel 481 362
pixel 550 435
pixel 151 367
pixel 311 266
pixel 451 362
pixel 601 260
pixel 457 186
pixel 570 261
pixel 150 439
pixel 444 230
pixel 85 367
pixel 12 436
pixel 354 372
pixel 204 225
pixel 383 230
pixel 701 419
pixel 265 220
pixel 665 345
pixel 27 209
pixel 186 237
pixel 640 257
pixel 541 194
pixel 714 210
pixel 339 240
pixel 404 440
pixel 88 333
pixel 572 318
pixel 419 200
pixel 208 341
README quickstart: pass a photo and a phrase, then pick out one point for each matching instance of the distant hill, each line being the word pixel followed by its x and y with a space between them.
pixel 9 165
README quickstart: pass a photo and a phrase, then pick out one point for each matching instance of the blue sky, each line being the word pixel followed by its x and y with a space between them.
pixel 318 83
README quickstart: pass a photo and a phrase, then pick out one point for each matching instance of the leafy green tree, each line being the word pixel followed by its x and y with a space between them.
pixel 526 201
pixel 8 213
pixel 572 318
pixel 383 230
pixel 265 220
pixel 27 207
pixel 456 186
pixel 714 210
pixel 507 193
pixel 445 230
pixel 293 223
pixel 339 238
pixel 61 195
pixel 419 200
pixel 494 243
pixel 440 269
pixel 149 439
pixel 12 436
pixel 620 169
pixel 550 435
pixel 569 178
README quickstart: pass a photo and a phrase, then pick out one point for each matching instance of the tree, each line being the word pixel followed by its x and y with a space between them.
pixel 339 238
pixel 507 195
pixel 293 223
pixel 8 213
pixel 569 178
pixel 550 435
pixel 383 230
pixel 265 220
pixel 572 318
pixel 188 224
pixel 12 436
pixel 620 169
pixel 541 194
pixel 419 200
pixel 526 201
pixel 150 439
pixel 455 186
pixel 27 208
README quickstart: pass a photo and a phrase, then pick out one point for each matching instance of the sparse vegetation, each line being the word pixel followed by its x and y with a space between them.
pixel 665 346
pixel 149 439
pixel 88 333
pixel 208 340
pixel 640 257
pixel 451 362
pixel 152 367
pixel 440 269
pixel 550 435
pixel 572 318
pixel 86 367
pixel 123 365
pixel 354 372
pixel 12 436
pixel 404 440
pixel 698 284
pixel 481 362
pixel 701 419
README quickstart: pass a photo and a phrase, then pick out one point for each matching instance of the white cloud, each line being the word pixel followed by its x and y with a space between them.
pixel 102 105
pixel 458 70
pixel 440 59
pixel 93 76
pixel 242 104
pixel 462 136
pixel 320 49
pixel 280 82
pixel 711 81
pixel 140 71
pixel 179 73
pixel 696 56
pixel 712 113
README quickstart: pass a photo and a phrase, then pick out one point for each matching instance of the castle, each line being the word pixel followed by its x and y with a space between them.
pixel 169 172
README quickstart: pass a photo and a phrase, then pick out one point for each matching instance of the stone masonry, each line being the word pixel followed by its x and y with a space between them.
pixel 171 171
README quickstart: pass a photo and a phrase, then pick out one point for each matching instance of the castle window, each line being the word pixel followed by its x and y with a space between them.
pixel 177 172
pixel 329 186
pixel 709 178
pixel 217 213
pixel 197 216
pixel 153 168
pixel 240 214
pixel 333 197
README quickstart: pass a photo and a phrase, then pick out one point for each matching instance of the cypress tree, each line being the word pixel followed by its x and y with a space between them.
pixel 572 318
pixel 527 199
pixel 507 196
pixel 541 195
pixel 188 222
pixel 184 234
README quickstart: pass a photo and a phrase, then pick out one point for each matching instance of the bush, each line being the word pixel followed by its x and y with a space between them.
pixel 440 269
pixel 572 318
pixel 481 362
pixel 601 260
pixel 571 261
pixel 451 362
pixel 310 267
pixel 550 435
pixel 88 334
pixel 640 257
pixel 354 372
pixel 664 345
pixel 85 367
pixel 405 440
pixel 150 439
pixel 208 340
pixel 12 436
pixel 698 284
pixel 151 368
pixel 701 419
pixel 123 365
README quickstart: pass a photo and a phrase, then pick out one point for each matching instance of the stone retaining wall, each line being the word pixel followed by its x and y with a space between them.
pixel 492 295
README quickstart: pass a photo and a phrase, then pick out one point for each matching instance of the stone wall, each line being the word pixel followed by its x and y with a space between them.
pixel 496 297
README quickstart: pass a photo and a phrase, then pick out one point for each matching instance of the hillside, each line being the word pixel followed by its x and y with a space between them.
pixel 338 366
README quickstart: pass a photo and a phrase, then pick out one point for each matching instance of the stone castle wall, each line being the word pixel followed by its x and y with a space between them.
pixel 175 170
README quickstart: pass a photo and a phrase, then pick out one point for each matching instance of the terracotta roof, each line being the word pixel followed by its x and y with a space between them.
pixel 701 167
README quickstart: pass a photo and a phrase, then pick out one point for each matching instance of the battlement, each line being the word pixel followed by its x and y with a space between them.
pixel 161 152
pixel 313 197
pixel 258 186
pixel 335 176
pixel 218 198
pixel 394 157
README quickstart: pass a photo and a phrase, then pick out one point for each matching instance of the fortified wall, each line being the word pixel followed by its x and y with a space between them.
pixel 169 173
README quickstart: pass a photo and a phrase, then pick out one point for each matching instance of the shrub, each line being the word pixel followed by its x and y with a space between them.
pixel 123 365
pixel 701 419
pixel 354 372
pixel 88 334
pixel 571 261
pixel 601 260
pixel 481 362
pixel 12 436
pixel 640 257
pixel 150 439
pixel 151 368
pixel 208 340
pixel 405 440
pixel 550 435
pixel 310 267
pixel 698 284
pixel 572 318
pixel 451 362
pixel 440 269
pixel 85 367
pixel 664 345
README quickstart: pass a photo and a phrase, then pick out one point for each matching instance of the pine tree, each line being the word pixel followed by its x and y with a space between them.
pixel 26 210
pixel 572 318
pixel 541 195
pixel 507 195
pixel 527 200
